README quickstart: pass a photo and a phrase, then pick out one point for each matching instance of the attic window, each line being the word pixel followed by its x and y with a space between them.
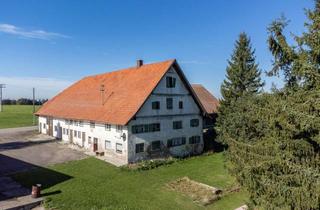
pixel 156 105
pixel 171 82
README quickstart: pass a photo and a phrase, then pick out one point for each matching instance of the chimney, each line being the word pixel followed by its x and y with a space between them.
pixel 139 63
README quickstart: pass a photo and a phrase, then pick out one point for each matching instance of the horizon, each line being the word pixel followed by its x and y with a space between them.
pixel 50 51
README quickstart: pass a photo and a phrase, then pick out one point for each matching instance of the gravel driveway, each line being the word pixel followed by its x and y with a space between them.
pixel 23 148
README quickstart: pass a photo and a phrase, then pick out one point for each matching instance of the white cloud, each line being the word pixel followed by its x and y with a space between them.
pixel 32 34
pixel 21 87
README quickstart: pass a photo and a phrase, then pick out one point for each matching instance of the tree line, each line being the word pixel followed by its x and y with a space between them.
pixel 23 101
pixel 273 138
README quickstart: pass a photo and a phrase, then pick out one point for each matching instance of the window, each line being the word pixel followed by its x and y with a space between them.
pixel 67 131
pixel 176 142
pixel 169 103
pixel 70 122
pixel 75 133
pixel 89 139
pixel 119 148
pixel 119 128
pixel 156 105
pixel 107 127
pixel 155 145
pixel 139 147
pixel 107 144
pixel 194 140
pixel 147 128
pixel 81 123
pixel 180 104
pixel 76 123
pixel 194 123
pixel 92 125
pixel 177 124
pixel 64 131
pixel 170 82
pixel 44 125
pixel 55 128
pixel 79 134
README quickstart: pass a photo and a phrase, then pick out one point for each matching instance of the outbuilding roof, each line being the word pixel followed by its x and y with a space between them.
pixel 208 101
pixel 113 97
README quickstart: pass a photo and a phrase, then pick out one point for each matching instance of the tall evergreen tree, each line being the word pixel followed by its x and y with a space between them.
pixel 243 74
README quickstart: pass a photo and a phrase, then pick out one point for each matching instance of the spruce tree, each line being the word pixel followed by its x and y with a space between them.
pixel 243 74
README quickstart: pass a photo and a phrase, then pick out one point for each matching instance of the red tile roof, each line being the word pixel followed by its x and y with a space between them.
pixel 125 92
pixel 208 101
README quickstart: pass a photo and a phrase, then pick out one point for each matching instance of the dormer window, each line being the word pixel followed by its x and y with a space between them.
pixel 171 82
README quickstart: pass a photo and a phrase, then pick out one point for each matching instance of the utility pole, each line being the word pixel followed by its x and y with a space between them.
pixel 33 103
pixel 1 87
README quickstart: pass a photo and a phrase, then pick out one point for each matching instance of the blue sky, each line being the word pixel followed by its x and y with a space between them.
pixel 50 44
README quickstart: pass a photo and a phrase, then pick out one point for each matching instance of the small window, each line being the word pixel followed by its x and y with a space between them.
pixel 89 140
pixel 76 123
pixel 194 123
pixel 79 134
pixel 176 142
pixel 119 128
pixel 139 147
pixel 107 144
pixel 92 125
pixel 75 133
pixel 177 124
pixel 170 82
pixel 64 131
pixel 194 140
pixel 119 148
pixel 67 131
pixel 55 128
pixel 44 125
pixel 155 145
pixel 169 103
pixel 107 127
pixel 156 105
pixel 180 104
pixel 81 123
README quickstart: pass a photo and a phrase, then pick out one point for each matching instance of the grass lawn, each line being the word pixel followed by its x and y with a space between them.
pixel 16 116
pixel 94 184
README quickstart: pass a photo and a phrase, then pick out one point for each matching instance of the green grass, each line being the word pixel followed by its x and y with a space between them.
pixel 94 184
pixel 16 116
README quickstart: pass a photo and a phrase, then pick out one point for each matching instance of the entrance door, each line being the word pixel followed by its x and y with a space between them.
pixel 83 138
pixel 95 144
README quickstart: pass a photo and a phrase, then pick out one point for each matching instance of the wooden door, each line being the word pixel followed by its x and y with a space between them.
pixel 95 144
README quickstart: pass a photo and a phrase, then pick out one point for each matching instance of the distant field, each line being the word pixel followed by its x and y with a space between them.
pixel 16 116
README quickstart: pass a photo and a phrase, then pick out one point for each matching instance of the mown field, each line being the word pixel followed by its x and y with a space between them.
pixel 16 116
pixel 95 184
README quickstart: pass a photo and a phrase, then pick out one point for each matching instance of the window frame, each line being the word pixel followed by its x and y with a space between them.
pixel 107 127
pixel 194 140
pixel 175 142
pixel 139 148
pixel 155 105
pixel 92 124
pixel 176 125
pixel 192 122
pixel 180 105
pixel 117 150
pixel 119 128
pixel 105 144
pixel 170 82
pixel 169 102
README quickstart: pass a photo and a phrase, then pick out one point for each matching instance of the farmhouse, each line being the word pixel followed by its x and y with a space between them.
pixel 142 112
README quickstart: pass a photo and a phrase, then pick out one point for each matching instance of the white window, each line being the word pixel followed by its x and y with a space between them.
pixel 119 128
pixel 79 134
pixel 81 123
pixel 107 144
pixel 89 139
pixel 107 127
pixel 92 124
pixel 119 148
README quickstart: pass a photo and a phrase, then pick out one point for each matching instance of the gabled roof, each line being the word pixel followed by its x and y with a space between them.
pixel 125 91
pixel 208 101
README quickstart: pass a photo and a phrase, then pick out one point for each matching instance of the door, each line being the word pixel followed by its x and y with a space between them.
pixel 40 128
pixel 83 138
pixel 71 136
pixel 95 144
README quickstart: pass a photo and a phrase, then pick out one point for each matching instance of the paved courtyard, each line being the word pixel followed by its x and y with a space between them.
pixel 22 149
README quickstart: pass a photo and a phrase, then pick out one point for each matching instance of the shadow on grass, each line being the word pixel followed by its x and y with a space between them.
pixel 27 175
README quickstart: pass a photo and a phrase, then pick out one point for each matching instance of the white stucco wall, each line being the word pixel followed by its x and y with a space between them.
pixel 165 117
pixel 98 132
